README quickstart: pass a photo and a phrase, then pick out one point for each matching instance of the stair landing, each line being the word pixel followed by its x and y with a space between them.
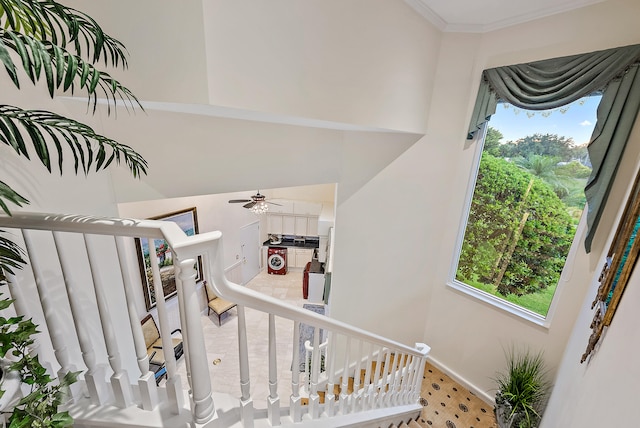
pixel 446 404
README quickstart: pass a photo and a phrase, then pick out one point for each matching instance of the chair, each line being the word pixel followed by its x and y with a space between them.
pixel 153 342
pixel 160 372
pixel 216 304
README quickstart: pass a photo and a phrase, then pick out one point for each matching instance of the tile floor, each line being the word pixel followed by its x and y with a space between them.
pixel 222 342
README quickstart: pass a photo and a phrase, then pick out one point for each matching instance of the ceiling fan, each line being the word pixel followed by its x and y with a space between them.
pixel 257 203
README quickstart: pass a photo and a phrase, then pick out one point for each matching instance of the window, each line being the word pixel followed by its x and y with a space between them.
pixel 528 198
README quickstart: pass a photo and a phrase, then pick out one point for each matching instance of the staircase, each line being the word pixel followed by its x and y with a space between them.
pixel 445 403
pixel 82 287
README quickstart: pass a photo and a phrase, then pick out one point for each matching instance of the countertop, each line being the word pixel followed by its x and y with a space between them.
pixel 287 243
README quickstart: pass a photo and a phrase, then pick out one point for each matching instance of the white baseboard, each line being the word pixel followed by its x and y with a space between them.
pixel 462 381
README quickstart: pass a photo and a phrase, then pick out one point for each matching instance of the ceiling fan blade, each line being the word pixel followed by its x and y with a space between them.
pixel 249 205
pixel 237 201
pixel 273 203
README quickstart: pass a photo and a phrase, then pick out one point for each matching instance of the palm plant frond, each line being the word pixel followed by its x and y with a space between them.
pixel 60 45
pixel 48 20
pixel 10 255
pixel 61 69
pixel 43 128
pixel 7 193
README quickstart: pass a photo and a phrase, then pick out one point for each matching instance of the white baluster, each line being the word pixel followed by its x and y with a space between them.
pixel 19 304
pixel 120 379
pixel 344 395
pixel 395 397
pixel 94 378
pixel 273 408
pixel 375 385
pixel 395 366
pixel 246 402
pixel 185 332
pixel 201 381
pixel 407 379
pixel 314 398
pixel 412 379
pixel 330 397
pixel 49 309
pixel 173 384
pixel 21 309
pixel 355 396
pixel 146 382
pixel 366 389
pixel 384 381
pixel 295 408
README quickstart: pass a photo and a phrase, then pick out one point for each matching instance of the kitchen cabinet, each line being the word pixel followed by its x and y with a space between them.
pixel 300 257
pixel 274 224
pixel 283 224
pixel 301 226
pixel 289 225
pixel 312 226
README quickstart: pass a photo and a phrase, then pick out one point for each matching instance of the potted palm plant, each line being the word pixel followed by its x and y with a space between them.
pixel 60 46
pixel 522 390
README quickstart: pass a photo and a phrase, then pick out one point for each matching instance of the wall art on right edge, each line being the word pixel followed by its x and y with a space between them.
pixel 617 269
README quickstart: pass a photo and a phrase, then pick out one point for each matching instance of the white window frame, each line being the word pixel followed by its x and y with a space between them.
pixel 483 296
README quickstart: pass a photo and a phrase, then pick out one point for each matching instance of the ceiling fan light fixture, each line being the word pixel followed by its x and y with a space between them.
pixel 260 207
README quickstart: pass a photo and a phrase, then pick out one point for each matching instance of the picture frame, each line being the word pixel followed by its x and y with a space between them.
pixel 619 264
pixel 187 220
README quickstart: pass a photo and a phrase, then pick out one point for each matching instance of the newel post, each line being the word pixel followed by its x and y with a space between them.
pixel 203 407
pixel 425 349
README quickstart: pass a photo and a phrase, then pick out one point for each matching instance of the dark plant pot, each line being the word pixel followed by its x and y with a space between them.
pixel 504 417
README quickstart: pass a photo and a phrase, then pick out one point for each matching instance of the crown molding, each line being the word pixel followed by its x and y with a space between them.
pixel 422 7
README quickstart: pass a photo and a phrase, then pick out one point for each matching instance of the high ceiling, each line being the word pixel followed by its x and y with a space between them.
pixel 478 16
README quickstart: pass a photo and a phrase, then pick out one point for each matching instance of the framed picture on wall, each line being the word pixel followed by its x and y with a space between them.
pixel 618 267
pixel 187 220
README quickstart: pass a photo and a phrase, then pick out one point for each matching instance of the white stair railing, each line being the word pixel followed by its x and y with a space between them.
pixel 363 372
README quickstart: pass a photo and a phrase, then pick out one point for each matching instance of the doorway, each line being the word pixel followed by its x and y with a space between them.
pixel 250 251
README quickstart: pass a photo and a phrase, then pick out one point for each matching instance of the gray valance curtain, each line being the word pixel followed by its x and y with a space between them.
pixel 556 82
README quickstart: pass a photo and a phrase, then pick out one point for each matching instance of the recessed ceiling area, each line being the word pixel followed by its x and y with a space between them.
pixel 479 16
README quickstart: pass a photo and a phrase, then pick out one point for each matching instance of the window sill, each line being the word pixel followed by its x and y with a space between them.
pixel 501 304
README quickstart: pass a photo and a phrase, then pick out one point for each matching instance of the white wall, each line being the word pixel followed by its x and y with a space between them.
pixel 602 390
pixel 367 62
pixel 403 267
pixel 323 193
pixel 192 154
pixel 196 154
pixel 167 59
pixel 399 204
pixel 362 61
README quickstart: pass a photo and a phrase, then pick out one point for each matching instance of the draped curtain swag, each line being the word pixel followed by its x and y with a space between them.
pixel 556 82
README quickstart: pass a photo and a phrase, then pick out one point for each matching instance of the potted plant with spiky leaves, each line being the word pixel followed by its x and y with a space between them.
pixel 522 390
